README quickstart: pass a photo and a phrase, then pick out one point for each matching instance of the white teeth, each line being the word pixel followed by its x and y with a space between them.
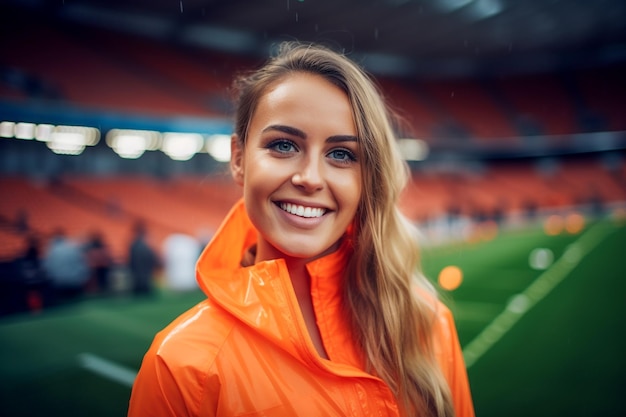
pixel 302 211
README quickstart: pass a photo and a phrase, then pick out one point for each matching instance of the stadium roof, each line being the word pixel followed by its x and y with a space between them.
pixel 394 37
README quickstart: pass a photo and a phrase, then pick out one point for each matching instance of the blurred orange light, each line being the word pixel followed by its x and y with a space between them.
pixel 553 225
pixel 574 223
pixel 450 277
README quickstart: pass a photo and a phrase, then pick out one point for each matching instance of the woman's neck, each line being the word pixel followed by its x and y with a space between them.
pixel 301 283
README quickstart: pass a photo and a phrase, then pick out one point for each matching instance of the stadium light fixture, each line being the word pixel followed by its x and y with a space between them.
pixel 43 132
pixel 66 140
pixel 413 149
pixel 128 146
pixel 66 143
pixel 218 146
pixel 7 129
pixel 72 140
pixel 131 143
pixel 181 146
pixel 25 131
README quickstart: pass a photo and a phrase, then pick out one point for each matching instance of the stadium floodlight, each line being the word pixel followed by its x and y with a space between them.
pixel 218 146
pixel 43 132
pixel 132 143
pixel 25 131
pixel 7 129
pixel 72 140
pixel 128 146
pixel 66 143
pixel 413 149
pixel 181 146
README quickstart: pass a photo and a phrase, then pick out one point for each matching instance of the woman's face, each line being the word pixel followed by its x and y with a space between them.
pixel 300 168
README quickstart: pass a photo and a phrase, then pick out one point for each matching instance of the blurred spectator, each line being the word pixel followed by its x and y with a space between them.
pixel 66 266
pixel 530 208
pixel 180 254
pixel 100 262
pixel 34 284
pixel 142 261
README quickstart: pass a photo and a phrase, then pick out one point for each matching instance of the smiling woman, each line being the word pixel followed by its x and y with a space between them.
pixel 314 304
pixel 289 158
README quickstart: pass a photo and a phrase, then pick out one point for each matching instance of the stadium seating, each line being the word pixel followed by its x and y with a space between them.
pixel 109 71
pixel 106 71
pixel 80 73
pixel 47 210
pixel 541 99
pixel 603 90
pixel 470 105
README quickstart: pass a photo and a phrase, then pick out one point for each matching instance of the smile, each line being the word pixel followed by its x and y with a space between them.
pixel 302 211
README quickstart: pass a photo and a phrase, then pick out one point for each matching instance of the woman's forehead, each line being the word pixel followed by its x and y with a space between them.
pixel 308 100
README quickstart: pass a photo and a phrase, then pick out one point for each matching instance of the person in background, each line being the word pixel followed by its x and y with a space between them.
pixel 142 261
pixel 34 286
pixel 315 305
pixel 100 262
pixel 66 266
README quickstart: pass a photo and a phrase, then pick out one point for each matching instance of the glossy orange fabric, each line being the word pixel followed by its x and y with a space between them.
pixel 245 351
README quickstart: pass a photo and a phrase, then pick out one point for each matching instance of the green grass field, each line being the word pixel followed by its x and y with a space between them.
pixel 542 342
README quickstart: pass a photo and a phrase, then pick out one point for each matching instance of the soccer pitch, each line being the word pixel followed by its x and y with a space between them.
pixel 545 341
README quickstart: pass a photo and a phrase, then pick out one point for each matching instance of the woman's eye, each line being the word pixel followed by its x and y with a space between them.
pixel 342 155
pixel 282 146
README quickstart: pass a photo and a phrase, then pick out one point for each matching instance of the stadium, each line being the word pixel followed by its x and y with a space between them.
pixel 116 115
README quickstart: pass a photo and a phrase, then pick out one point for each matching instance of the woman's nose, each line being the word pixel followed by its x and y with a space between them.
pixel 309 175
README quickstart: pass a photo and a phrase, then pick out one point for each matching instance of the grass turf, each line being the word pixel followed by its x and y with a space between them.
pixel 563 357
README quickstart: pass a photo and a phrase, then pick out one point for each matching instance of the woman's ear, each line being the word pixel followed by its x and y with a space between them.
pixel 236 159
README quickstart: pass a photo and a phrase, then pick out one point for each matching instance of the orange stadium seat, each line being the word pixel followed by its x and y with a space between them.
pixel 47 211
pixel 84 76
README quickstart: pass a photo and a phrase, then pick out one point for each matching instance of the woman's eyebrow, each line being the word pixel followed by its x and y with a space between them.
pixel 290 130
pixel 341 138
pixel 286 129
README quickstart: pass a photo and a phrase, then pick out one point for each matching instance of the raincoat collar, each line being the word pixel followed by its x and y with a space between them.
pixel 262 298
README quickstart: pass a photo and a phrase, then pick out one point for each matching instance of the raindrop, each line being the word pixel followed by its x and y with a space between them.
pixel 296 17
pixel 181 6
pixel 317 28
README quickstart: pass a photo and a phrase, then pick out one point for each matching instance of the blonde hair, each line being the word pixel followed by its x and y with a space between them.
pixel 392 324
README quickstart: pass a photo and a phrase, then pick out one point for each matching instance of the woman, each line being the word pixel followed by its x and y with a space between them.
pixel 314 306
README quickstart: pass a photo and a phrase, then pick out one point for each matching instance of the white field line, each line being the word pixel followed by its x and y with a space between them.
pixel 535 292
pixel 107 369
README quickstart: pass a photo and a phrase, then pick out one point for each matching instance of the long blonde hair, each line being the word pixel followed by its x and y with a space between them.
pixel 391 323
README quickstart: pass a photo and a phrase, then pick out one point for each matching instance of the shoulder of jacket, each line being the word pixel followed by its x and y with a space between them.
pixel 194 338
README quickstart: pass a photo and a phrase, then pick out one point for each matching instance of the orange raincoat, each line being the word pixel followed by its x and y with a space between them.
pixel 245 351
